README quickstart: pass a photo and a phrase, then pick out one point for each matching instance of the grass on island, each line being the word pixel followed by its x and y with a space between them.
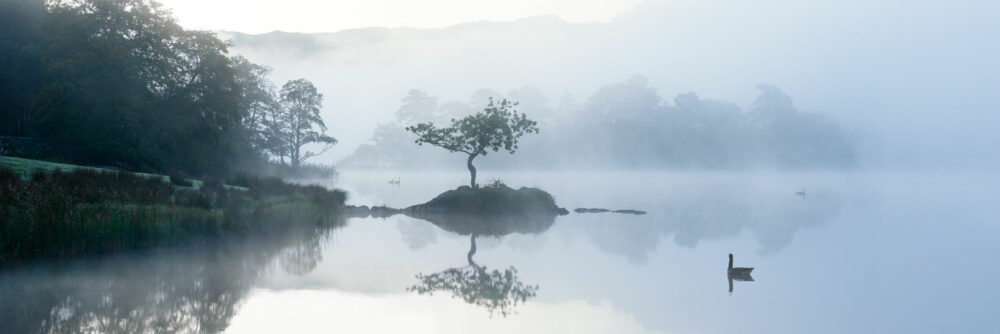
pixel 59 210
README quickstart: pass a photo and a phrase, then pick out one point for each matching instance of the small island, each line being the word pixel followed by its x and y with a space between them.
pixel 497 127
pixel 490 200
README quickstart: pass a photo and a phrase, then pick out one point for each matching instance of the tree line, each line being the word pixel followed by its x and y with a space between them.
pixel 627 125
pixel 125 84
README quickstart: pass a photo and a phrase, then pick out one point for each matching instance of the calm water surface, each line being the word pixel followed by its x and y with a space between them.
pixel 859 253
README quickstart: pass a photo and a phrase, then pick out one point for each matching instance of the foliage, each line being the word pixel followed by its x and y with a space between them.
pixel 305 171
pixel 93 212
pixel 297 123
pixel 497 291
pixel 178 179
pixel 497 127
pixel 258 100
pixel 121 80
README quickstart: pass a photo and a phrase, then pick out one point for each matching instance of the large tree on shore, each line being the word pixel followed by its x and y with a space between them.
pixel 297 123
pixel 497 127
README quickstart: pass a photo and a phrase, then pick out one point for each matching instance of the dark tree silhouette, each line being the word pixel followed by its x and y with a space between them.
pixel 299 123
pixel 497 127
pixel 497 291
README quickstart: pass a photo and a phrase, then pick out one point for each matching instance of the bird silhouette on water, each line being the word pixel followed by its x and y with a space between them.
pixel 737 273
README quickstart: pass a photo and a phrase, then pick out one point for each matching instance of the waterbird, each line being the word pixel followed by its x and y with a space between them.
pixel 801 193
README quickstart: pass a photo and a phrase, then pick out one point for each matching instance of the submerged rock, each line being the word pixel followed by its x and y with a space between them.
pixel 598 210
pixel 590 210
pixel 630 212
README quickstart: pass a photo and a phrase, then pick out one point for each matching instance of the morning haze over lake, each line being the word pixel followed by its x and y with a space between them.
pixel 647 166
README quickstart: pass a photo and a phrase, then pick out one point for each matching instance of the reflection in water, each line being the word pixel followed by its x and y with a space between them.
pixel 191 290
pixel 773 216
pixel 302 257
pixel 737 273
pixel 497 291
pixel 417 234
pixel 686 207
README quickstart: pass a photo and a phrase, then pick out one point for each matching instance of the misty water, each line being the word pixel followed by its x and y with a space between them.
pixel 858 253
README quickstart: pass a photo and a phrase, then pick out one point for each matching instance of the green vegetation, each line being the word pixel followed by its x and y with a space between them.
pixel 122 84
pixel 119 83
pixel 497 127
pixel 87 211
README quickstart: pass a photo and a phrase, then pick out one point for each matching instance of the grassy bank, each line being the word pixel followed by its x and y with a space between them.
pixel 59 211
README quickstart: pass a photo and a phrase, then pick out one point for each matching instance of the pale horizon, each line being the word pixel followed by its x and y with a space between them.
pixel 302 16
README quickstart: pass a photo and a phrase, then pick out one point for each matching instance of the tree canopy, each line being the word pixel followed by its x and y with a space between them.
pixel 299 122
pixel 125 85
pixel 498 126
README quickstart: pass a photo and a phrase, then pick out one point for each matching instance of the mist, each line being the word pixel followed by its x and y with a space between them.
pixel 908 83
pixel 786 166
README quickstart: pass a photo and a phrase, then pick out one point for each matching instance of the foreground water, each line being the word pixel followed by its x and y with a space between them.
pixel 859 253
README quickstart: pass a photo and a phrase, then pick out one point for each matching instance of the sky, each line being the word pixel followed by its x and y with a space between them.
pixel 260 16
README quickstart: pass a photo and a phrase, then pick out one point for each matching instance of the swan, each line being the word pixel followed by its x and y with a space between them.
pixel 738 273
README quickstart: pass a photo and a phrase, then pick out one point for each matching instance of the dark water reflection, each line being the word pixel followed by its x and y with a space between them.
pixel 186 290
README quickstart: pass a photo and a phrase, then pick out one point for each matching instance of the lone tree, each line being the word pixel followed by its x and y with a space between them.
pixel 497 127
pixel 297 123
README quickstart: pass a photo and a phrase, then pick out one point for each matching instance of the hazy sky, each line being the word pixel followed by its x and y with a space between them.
pixel 258 16
pixel 917 79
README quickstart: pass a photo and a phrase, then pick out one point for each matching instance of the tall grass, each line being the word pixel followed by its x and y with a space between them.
pixel 86 212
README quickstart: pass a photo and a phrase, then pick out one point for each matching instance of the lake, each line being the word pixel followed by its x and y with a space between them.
pixel 858 252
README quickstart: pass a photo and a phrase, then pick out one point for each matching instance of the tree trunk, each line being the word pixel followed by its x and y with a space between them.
pixel 472 251
pixel 295 152
pixel 472 170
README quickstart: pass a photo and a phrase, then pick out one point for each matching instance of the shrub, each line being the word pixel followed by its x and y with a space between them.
pixel 178 179
pixel 496 183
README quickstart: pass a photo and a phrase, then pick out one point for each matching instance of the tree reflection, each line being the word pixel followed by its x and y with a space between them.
pixel 301 258
pixel 184 290
pixel 499 291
